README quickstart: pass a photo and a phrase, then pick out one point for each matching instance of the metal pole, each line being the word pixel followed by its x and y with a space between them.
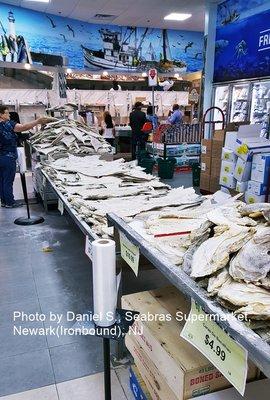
pixel 107 368
pixel 23 180
pixel 153 99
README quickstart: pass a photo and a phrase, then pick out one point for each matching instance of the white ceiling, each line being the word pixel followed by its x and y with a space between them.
pixel 129 12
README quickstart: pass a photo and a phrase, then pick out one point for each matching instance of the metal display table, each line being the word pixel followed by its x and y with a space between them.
pixel 258 349
pixel 84 227
pixel 123 139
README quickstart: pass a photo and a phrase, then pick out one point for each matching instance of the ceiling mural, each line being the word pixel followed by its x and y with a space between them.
pixel 31 36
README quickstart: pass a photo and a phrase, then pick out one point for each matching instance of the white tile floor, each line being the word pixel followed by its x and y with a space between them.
pixel 86 388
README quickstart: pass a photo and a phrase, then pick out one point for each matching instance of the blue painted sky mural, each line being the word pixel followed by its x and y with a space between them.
pixel 95 47
pixel 242 40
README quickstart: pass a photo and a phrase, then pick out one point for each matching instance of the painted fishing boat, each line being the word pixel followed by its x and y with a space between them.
pixel 119 54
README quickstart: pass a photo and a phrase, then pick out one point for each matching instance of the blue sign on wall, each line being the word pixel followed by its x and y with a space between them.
pixel 27 34
pixel 242 44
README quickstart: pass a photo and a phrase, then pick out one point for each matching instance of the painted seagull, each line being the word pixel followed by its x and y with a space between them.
pixel 71 30
pixel 51 21
pixel 190 44
pixel 63 36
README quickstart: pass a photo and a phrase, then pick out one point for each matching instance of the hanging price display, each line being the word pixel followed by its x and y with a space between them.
pixel 130 253
pixel 88 248
pixel 217 346
pixel 61 206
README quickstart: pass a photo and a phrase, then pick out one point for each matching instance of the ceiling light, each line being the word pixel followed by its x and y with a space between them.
pixel 177 17
pixel 144 74
pixel 105 73
pixel 69 70
pixel 38 1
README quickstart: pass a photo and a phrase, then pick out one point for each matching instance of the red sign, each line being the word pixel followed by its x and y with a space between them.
pixel 152 73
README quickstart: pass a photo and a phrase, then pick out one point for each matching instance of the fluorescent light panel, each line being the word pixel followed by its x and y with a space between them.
pixel 37 1
pixel 177 17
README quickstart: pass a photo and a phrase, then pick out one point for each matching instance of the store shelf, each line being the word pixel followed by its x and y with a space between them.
pixel 258 350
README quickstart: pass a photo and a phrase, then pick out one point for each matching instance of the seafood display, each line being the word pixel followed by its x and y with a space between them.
pixel 60 137
pixel 221 242
pixel 225 246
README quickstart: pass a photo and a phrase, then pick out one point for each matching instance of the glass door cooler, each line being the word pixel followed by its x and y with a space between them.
pixel 240 103
pixel 260 104
pixel 222 94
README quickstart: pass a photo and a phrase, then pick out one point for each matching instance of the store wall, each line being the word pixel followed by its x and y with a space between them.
pixel 242 40
pixel 47 38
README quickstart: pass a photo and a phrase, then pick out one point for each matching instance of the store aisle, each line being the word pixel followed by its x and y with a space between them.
pixel 37 282
pixel 88 387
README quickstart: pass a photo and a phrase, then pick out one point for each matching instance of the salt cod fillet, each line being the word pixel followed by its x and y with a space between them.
pixel 244 294
pixel 214 253
pixel 216 282
pixel 252 263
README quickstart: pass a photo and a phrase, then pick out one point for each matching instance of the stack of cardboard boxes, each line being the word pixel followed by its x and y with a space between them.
pixel 242 164
pixel 170 367
pixel 258 184
pixel 245 163
pixel 210 162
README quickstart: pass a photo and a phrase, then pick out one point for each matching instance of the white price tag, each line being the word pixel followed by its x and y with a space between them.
pixel 88 248
pixel 228 356
pixel 203 166
pixel 61 206
pixel 130 253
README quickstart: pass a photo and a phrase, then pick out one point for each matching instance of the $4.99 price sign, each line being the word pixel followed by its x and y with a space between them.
pixel 229 357
pixel 130 253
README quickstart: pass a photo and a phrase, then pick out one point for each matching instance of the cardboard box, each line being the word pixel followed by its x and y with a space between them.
pixel 214 184
pixel 227 168
pixel 251 198
pixel 230 140
pixel 241 187
pixel 257 188
pixel 248 131
pixel 205 181
pixel 228 155
pixel 167 360
pixel 252 389
pixel 260 169
pixel 217 146
pixel 215 166
pixel 154 381
pixel 246 147
pixel 206 164
pixel 207 147
pixel 242 170
pixel 219 135
pixel 137 384
pixel 228 181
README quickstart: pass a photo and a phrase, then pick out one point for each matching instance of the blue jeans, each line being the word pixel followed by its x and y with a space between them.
pixel 7 176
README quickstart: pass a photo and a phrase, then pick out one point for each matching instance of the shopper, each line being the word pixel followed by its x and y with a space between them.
pixel 109 131
pixel 152 117
pixel 176 116
pixel 8 154
pixel 137 119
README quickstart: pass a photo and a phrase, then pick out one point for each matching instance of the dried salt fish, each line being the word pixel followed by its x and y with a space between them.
pixel 252 263
pixel 214 253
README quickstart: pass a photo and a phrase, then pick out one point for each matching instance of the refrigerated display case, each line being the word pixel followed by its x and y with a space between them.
pixel 260 104
pixel 240 103
pixel 222 95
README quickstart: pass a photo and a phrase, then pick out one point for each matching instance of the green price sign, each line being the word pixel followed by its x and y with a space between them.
pixel 228 356
pixel 130 253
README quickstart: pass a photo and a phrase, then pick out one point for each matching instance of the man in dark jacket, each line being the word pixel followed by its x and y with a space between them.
pixel 137 119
